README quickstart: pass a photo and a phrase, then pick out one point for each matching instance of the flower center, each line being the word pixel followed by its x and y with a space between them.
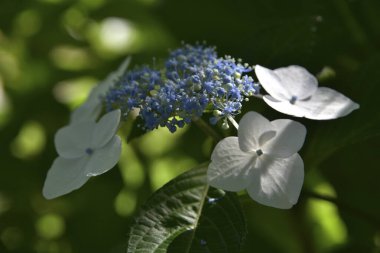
pixel 293 100
pixel 259 152
pixel 89 151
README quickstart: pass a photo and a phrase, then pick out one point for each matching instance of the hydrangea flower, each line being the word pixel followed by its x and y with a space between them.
pixel 294 91
pixel 86 148
pixel 194 80
pixel 91 109
pixel 263 159
pixel 134 90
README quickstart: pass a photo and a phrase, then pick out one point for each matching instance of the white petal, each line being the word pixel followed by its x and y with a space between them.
pixel 290 136
pixel 327 104
pixel 100 90
pixel 71 141
pixel 91 109
pixel 272 83
pixel 229 167
pixel 86 112
pixel 105 128
pixel 297 81
pixel 64 176
pixel 284 106
pixel 265 137
pixel 277 182
pixel 251 126
pixel 104 159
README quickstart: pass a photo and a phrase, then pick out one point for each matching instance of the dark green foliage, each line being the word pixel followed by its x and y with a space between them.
pixel 186 215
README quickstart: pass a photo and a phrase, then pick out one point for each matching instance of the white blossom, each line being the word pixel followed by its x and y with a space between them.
pixel 86 148
pixel 263 159
pixel 294 91
pixel 91 109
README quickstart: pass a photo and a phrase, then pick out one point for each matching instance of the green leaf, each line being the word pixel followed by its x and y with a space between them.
pixel 186 215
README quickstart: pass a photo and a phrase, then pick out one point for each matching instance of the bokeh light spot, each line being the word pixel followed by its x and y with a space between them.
pixel 125 203
pixel 9 65
pixel 376 240
pixel 50 226
pixel 165 169
pixel 326 74
pixel 5 106
pixel 329 229
pixel 131 169
pixel 116 34
pixel 72 58
pixel 5 204
pixel 30 141
pixel 75 20
pixel 27 23
pixel 73 92
pixel 12 237
pixel 159 141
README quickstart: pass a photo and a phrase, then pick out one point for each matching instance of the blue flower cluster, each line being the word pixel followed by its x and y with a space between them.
pixel 193 81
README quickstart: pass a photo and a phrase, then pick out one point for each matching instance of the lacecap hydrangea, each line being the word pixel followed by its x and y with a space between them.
pixel 193 80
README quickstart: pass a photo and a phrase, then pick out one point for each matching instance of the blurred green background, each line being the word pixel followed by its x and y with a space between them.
pixel 53 51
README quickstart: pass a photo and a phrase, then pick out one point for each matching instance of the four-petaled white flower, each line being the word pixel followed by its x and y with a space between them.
pixel 91 109
pixel 263 159
pixel 294 91
pixel 86 148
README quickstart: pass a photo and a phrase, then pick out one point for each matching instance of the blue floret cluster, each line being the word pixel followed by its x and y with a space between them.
pixel 194 80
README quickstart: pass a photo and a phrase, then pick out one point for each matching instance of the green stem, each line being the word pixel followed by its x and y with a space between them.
pixel 260 96
pixel 207 129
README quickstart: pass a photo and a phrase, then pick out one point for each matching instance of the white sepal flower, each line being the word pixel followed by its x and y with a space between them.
pixel 86 149
pixel 91 109
pixel 263 159
pixel 294 91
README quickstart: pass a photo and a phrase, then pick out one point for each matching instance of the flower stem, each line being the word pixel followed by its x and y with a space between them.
pixel 233 122
pixel 207 129
pixel 260 96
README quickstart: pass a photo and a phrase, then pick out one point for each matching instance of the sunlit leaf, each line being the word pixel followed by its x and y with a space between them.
pixel 186 215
